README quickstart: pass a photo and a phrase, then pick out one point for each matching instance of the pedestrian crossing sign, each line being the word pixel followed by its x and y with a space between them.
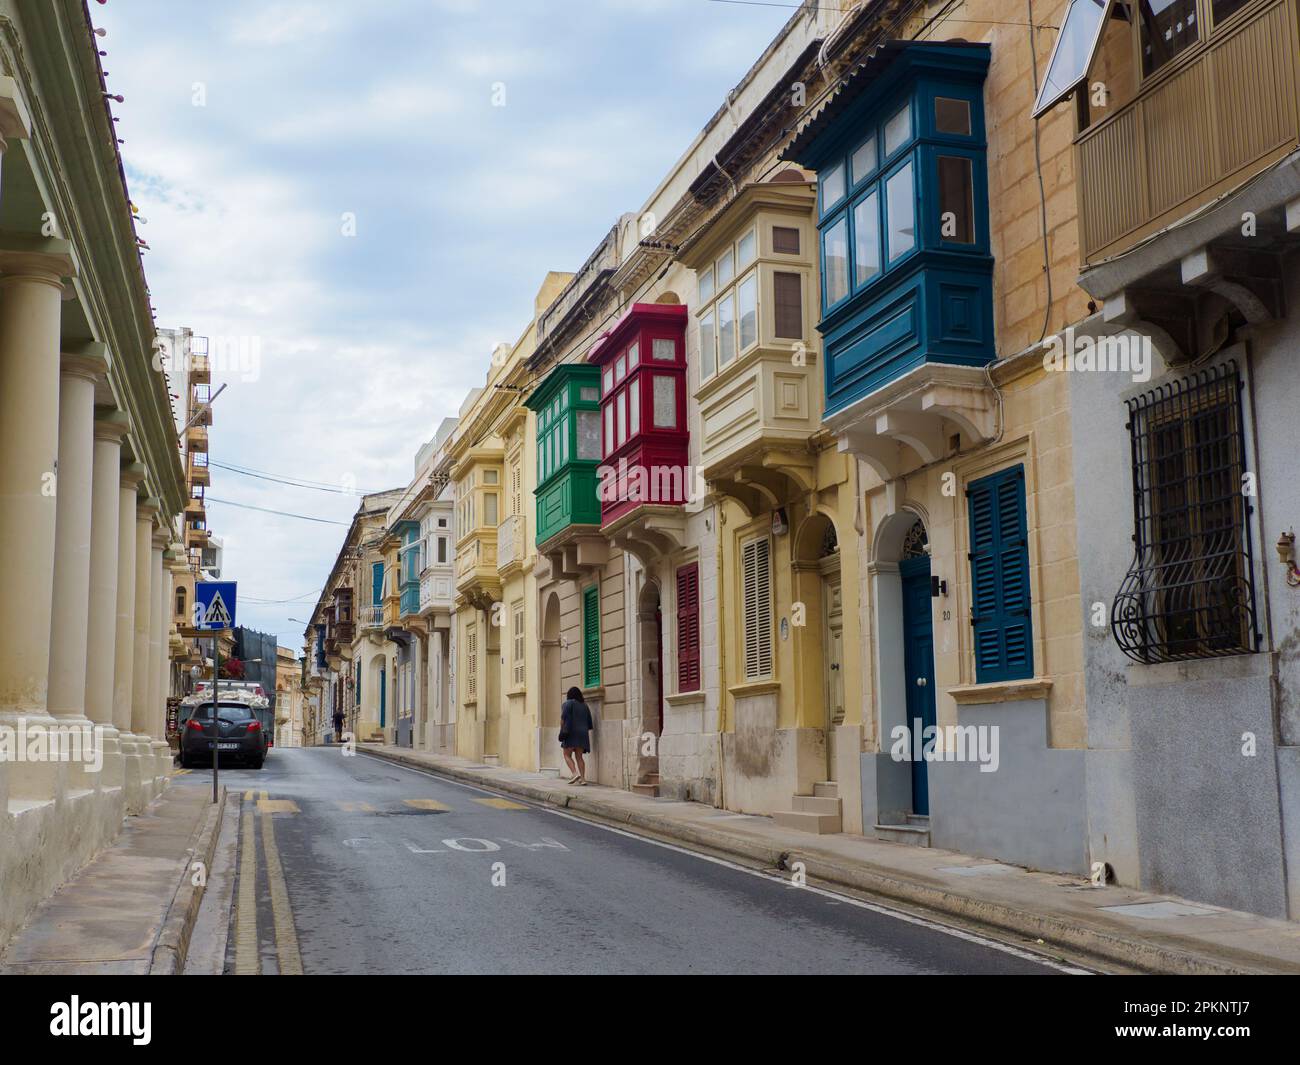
pixel 214 605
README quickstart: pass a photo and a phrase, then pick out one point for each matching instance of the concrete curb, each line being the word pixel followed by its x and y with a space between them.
pixel 1098 943
pixel 173 942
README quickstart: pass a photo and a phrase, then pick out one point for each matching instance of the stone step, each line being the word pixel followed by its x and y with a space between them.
pixel 817 804
pixel 491 759
pixel 820 824
pixel 547 771
pixel 650 790
pixel 920 820
pixel 826 789
pixel 910 835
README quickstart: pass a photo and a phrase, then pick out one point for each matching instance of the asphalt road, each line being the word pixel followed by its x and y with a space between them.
pixel 357 865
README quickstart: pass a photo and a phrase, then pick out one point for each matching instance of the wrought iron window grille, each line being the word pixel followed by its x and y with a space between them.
pixel 1190 591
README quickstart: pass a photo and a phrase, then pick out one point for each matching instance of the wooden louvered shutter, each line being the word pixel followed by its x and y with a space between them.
pixel 787 305
pixel 471 661
pixel 756 585
pixel 999 561
pixel 591 637
pixel 688 628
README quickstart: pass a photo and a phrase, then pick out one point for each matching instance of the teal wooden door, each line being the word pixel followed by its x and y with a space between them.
pixel 383 697
pixel 918 666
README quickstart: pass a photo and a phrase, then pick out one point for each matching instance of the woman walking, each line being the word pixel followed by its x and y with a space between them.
pixel 576 724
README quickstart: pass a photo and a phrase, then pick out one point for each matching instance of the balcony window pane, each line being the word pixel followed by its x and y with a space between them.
pixel 832 186
pixel 490 476
pixel 898 130
pixel 588 434
pixel 726 269
pixel 664 349
pixel 835 261
pixel 1074 49
pixel 706 285
pixel 609 427
pixel 1225 9
pixel 634 412
pixel 900 204
pixel 633 353
pixel 589 394
pixel 787 305
pixel 490 509
pixel 952 116
pixel 864 160
pixel 956 200
pixel 726 330
pixel 708 346
pixel 622 417
pixel 785 240
pixel 442 550
pixel 564 444
pixel 608 379
pixel 1167 27
pixel 665 397
pixel 620 368
pixel 745 250
pixel 866 239
pixel 747 296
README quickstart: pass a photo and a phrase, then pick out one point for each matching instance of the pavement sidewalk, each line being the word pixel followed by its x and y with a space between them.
pixel 1125 929
pixel 129 910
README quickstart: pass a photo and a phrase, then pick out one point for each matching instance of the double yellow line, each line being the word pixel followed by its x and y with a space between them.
pixel 247 955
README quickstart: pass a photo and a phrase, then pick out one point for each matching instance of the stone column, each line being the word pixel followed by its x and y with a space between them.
pixel 157 657
pixel 15 122
pixel 124 646
pixel 101 638
pixel 140 795
pixel 31 290
pixel 70 623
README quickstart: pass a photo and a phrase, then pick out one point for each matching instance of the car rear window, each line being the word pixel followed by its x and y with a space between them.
pixel 229 712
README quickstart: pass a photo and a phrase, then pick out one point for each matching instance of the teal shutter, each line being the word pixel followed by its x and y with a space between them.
pixel 999 564
pixel 591 637
pixel 376 583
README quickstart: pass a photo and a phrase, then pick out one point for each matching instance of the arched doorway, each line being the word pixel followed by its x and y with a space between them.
pixel 650 629
pixel 820 630
pixel 905 658
pixel 551 695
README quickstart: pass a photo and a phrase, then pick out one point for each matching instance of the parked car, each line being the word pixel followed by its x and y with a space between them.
pixel 238 735
pixel 238 690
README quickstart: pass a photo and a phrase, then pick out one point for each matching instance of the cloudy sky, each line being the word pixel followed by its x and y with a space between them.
pixel 259 134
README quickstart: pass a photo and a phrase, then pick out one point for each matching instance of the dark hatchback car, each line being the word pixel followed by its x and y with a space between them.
pixel 238 738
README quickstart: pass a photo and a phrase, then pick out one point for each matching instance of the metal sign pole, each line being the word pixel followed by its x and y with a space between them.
pixel 216 704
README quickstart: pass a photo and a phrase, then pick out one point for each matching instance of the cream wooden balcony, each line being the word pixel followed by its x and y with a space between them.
pixel 478 578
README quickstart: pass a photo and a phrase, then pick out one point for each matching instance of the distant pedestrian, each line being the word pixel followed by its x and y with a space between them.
pixel 338 726
pixel 576 724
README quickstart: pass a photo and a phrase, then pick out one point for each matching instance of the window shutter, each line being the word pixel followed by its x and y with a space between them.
pixel 756 581
pixel 688 628
pixel 787 305
pixel 785 240
pixel 591 637
pixel 471 661
pixel 517 623
pixel 999 560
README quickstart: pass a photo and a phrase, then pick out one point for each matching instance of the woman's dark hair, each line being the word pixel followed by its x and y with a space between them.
pixel 575 694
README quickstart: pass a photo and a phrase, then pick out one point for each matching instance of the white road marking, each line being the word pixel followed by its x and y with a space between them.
pixel 769 878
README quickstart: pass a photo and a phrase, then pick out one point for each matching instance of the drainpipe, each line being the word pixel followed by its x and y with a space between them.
pixel 722 653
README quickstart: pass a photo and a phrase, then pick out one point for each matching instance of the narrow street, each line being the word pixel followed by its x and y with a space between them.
pixel 390 870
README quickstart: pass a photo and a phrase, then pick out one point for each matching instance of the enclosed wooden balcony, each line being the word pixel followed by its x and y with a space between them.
pixel 1190 125
pixel 197 471
pixel 760 393
pixel 196 439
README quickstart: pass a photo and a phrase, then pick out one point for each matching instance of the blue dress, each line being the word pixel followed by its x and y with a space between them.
pixel 575 725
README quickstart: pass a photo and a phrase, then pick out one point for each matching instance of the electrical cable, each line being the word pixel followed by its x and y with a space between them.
pixel 281 513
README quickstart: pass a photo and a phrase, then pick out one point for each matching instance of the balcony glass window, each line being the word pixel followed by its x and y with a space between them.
pixel 898 130
pixel 866 238
pixel 787 305
pixel 634 403
pixel 706 285
pixel 589 433
pixel 747 298
pixel 745 249
pixel 491 477
pixel 620 368
pixel 1225 9
pixel 589 394
pixel 900 206
pixel 708 344
pixel 622 418
pixel 609 429
pixel 785 240
pixel 835 262
pixel 663 349
pixel 726 329
pixel 726 269
pixel 1167 27
pixel 832 184
pixel 633 353
pixel 864 161
pixel 665 400
pixel 952 116
pixel 1073 53
pixel 956 200
pixel 608 379
pixel 490 509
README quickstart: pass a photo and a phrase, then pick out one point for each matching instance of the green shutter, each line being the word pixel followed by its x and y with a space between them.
pixel 591 637
pixel 999 564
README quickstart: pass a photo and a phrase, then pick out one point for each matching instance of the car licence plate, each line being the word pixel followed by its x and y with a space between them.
pixel 227 746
